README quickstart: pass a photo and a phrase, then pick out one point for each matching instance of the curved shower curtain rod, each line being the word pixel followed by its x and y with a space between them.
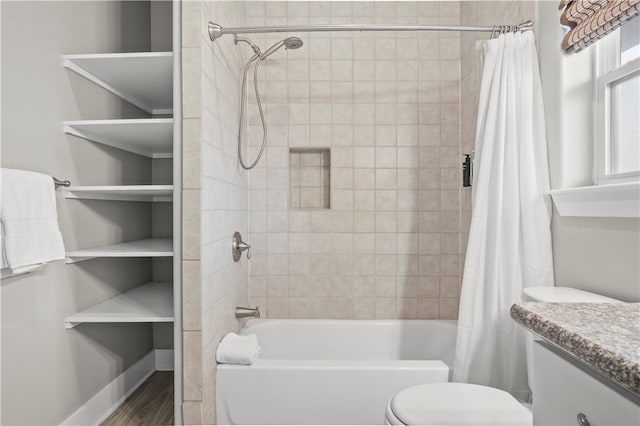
pixel 216 31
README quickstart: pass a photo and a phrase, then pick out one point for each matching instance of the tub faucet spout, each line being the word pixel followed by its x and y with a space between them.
pixel 242 312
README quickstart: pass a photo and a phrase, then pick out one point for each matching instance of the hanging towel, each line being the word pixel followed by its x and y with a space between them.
pixel 234 349
pixel 30 233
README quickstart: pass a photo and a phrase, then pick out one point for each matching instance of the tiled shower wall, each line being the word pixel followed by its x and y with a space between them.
pixel 214 198
pixel 387 105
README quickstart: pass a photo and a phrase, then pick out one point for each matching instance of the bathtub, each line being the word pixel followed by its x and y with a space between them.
pixel 332 371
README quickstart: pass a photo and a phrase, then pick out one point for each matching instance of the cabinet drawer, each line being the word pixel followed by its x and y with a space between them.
pixel 564 389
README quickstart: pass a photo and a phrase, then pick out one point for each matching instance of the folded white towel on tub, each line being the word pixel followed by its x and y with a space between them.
pixel 235 349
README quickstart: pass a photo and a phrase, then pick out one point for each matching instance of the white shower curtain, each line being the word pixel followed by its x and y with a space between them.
pixel 510 237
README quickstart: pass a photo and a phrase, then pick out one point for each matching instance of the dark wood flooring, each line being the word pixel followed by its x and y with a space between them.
pixel 150 404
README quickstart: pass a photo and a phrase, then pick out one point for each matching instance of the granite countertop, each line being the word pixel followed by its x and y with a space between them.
pixel 605 336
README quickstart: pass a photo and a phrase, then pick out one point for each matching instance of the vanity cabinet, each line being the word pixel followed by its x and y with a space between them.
pixel 567 393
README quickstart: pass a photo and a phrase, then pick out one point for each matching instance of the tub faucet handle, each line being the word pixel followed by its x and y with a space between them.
pixel 238 246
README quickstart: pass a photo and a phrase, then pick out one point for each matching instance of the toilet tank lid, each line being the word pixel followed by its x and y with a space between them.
pixel 563 294
pixel 458 404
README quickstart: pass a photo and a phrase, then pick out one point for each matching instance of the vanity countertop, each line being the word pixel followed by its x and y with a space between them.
pixel 604 336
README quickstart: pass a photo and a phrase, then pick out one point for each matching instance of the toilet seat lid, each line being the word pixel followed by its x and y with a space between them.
pixel 563 294
pixel 458 404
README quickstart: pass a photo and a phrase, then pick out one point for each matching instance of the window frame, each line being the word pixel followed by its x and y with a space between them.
pixel 607 71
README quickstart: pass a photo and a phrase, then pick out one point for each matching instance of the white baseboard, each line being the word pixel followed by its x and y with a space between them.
pixel 164 359
pixel 106 401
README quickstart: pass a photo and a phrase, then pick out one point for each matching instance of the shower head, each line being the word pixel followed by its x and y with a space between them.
pixel 256 60
pixel 288 43
pixel 293 43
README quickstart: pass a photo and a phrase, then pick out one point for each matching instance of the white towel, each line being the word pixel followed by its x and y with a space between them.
pixel 234 349
pixel 3 257
pixel 30 232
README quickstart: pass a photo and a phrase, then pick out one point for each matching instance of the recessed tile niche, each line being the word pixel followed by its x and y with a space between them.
pixel 309 177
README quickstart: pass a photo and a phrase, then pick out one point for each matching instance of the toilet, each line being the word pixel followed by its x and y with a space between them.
pixel 456 404
pixel 469 404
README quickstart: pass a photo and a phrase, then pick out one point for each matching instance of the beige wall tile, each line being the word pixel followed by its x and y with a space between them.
pixel 298 221
pixel 385 308
pixel 389 246
pixel 191 224
pixel 449 308
pixel 407 308
pixel 191 296
pixel 428 308
pixel 192 370
pixel 191 20
pixel 191 139
pixel 213 187
pixel 192 413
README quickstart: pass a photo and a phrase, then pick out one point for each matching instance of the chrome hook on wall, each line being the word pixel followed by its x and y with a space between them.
pixel 238 246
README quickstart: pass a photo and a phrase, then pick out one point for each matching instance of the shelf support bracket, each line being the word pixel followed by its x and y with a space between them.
pixel 69 325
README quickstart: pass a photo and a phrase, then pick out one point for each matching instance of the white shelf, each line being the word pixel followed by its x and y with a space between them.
pixel 144 79
pixel 152 302
pixel 152 247
pixel 150 137
pixel 615 200
pixel 145 193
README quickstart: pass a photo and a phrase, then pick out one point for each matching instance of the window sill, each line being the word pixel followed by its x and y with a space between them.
pixel 615 200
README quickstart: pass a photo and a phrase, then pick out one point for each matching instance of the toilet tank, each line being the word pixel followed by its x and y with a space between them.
pixel 555 295
pixel 563 294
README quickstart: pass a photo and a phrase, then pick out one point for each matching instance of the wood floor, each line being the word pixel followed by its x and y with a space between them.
pixel 150 404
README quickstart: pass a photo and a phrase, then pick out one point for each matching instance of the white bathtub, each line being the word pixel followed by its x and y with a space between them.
pixel 332 371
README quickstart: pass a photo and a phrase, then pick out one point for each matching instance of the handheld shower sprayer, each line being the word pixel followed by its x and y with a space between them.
pixel 258 58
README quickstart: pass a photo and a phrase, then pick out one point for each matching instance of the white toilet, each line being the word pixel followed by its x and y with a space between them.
pixel 456 404
pixel 467 404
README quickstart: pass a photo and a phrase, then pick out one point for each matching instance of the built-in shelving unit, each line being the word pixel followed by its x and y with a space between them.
pixel 151 247
pixel 152 302
pixel 150 137
pixel 144 79
pixel 144 193
pixel 147 80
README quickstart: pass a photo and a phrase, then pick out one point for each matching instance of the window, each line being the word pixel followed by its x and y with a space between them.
pixel 617 112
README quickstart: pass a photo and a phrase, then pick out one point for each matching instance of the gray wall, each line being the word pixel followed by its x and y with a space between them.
pixel 48 372
pixel 601 255
pixel 161 23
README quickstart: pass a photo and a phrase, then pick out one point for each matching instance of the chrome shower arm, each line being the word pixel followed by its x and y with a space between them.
pixel 254 46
